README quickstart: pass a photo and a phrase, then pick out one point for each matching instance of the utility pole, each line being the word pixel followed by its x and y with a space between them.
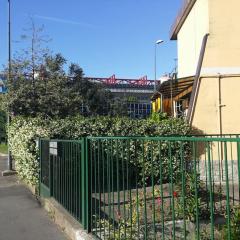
pixel 9 75
pixel 10 170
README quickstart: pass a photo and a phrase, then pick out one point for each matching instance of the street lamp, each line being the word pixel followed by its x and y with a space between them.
pixel 10 167
pixel 155 62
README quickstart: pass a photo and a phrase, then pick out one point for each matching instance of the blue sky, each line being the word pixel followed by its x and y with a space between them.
pixel 104 37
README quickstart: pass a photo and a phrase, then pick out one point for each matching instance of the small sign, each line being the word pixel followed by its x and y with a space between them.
pixel 53 148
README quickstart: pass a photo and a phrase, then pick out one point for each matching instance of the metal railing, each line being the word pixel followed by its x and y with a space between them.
pixel 147 187
pixel 63 175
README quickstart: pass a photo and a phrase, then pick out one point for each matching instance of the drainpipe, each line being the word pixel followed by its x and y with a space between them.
pixel 220 106
pixel 196 82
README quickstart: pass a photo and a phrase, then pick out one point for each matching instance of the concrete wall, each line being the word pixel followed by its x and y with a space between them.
pixel 207 112
pixel 190 38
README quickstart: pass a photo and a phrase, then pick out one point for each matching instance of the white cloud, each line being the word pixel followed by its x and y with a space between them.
pixel 65 21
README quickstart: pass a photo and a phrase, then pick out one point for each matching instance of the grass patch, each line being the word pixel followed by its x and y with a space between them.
pixel 3 148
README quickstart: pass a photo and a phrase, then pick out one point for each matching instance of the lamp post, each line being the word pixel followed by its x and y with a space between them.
pixel 9 171
pixel 155 62
pixel 10 167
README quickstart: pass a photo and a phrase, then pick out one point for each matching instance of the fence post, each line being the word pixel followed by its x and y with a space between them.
pixel 40 164
pixel 85 185
pixel 238 159
pixel 88 184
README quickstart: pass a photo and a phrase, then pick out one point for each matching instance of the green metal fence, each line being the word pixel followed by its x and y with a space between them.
pixel 147 187
pixel 63 175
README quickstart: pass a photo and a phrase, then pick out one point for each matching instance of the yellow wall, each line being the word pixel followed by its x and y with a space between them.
pixel 156 105
pixel 223 47
pixel 219 18
pixel 207 113
pixel 190 38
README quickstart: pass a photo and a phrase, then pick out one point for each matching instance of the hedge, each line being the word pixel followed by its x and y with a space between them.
pixel 23 132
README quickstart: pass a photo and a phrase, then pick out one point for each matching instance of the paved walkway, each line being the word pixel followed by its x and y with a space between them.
pixel 21 217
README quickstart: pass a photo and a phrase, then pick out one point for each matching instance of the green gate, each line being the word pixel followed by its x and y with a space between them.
pixel 64 175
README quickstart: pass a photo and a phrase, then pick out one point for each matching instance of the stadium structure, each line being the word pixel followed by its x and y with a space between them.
pixel 136 92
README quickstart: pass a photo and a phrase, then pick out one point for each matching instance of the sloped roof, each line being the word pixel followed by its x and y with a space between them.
pixel 174 87
pixel 181 17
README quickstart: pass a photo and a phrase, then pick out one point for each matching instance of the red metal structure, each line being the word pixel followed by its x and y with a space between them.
pixel 143 81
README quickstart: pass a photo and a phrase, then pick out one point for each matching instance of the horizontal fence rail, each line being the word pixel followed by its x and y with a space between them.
pixel 147 187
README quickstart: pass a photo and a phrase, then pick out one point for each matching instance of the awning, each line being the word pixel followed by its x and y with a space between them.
pixel 174 88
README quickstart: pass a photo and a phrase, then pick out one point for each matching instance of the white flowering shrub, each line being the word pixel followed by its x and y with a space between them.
pixel 23 133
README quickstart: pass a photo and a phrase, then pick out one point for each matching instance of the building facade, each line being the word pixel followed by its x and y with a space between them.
pixel 136 93
pixel 207 34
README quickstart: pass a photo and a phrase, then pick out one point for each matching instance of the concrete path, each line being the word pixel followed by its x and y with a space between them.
pixel 21 217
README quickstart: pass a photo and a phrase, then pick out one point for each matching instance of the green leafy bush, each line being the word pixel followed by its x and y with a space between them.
pixel 24 131
pixel 3 121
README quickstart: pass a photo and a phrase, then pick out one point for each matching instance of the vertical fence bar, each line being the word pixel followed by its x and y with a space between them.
pixel 108 189
pixel 129 188
pixel 84 181
pixel 210 189
pixel 74 180
pixel 113 185
pixel 232 173
pixel 153 192
pixel 59 174
pixel 137 193
pixel 50 173
pixel 172 187
pixel 118 191
pixel 238 160
pixel 196 189
pixel 161 198
pixel 144 191
pixel 70 176
pixel 123 186
pixel 40 165
pixel 220 177
pixel 87 186
pixel 227 192
pixel 183 170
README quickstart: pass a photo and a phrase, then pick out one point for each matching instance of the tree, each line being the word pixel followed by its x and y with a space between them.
pixel 41 85
pixel 55 92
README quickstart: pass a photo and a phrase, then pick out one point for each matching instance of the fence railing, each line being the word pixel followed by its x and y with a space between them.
pixel 63 175
pixel 147 187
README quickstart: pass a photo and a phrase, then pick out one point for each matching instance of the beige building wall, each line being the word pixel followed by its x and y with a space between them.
pixel 219 18
pixel 223 48
pixel 207 111
pixel 190 38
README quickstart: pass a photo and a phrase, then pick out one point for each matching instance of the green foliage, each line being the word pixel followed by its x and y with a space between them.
pixel 53 92
pixel 41 85
pixel 24 131
pixel 188 204
pixel 3 148
pixel 158 116
pixel 22 134
pixel 234 225
pixel 3 121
